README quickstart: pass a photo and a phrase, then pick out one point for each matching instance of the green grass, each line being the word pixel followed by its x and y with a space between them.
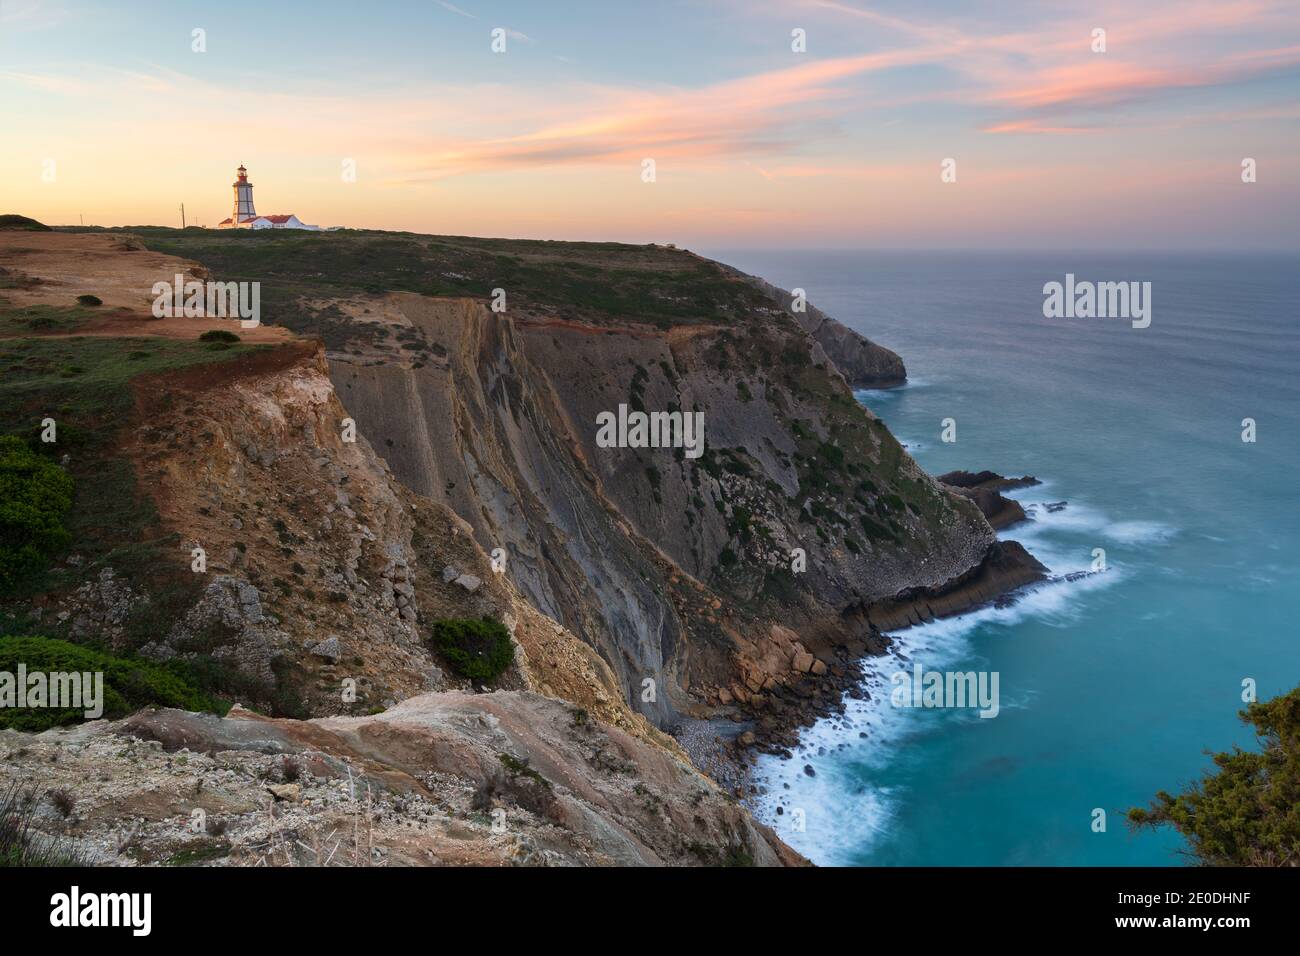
pixel 42 318
pixel 129 683
pixel 35 494
pixel 202 852
pixel 596 282
pixel 113 521
pixel 33 386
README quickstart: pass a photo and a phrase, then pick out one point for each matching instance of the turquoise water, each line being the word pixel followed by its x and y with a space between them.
pixel 1113 685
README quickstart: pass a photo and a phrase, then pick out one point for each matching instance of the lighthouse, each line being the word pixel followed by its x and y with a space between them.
pixel 243 197
pixel 246 217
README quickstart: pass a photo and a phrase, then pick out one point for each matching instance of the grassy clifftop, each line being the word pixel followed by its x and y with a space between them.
pixel 595 282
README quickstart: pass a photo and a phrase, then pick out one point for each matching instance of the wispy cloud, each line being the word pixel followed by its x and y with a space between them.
pixel 763 112
pixel 1047 72
pixel 748 132
pixel 455 9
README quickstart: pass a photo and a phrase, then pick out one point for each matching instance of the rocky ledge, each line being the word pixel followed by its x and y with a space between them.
pixel 770 722
pixel 983 488
pixel 507 778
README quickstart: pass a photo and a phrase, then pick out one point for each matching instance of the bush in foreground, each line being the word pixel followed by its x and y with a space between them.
pixel 1247 812
pixel 478 649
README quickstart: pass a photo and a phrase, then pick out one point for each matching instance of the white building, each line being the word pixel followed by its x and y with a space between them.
pixel 246 217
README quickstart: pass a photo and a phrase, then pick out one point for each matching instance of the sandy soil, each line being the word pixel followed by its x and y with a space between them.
pixel 113 268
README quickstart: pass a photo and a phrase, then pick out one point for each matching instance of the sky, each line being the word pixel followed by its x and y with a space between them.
pixel 116 113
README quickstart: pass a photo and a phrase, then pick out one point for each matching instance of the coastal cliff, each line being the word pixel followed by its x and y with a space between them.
pixel 738 581
pixel 411 437
pixel 863 363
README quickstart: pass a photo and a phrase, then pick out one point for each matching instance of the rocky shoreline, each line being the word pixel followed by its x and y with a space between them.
pixel 727 746
pixel 983 488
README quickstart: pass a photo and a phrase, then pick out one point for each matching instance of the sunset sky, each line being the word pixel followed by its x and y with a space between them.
pixel 755 145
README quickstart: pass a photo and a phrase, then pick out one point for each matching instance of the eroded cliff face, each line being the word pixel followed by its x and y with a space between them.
pixel 309 538
pixel 685 573
pixel 317 508
pixel 750 577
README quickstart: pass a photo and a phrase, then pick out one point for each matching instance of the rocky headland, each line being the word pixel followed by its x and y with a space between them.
pixel 983 488
pixel 390 450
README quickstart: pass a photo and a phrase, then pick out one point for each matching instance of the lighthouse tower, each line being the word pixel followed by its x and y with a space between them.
pixel 246 217
pixel 243 197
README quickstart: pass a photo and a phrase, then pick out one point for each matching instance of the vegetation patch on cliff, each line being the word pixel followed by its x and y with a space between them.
pixel 129 683
pixel 66 407
pixel 76 391
pixel 35 494
pixel 596 282
pixel 477 649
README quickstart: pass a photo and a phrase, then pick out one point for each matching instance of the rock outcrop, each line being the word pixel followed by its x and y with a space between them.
pixel 863 363
pixel 503 779
pixel 983 488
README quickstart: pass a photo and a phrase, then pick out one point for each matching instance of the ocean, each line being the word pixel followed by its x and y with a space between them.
pixel 1112 685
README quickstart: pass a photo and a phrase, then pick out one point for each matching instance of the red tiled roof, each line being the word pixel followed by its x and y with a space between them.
pixel 277 218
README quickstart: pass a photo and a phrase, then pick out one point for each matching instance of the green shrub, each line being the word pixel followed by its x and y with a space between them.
pixel 479 650
pixel 89 300
pixel 1244 813
pixel 129 683
pixel 218 335
pixel 35 495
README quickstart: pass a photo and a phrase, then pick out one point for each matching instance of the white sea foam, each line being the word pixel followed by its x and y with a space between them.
pixel 1139 532
pixel 847 805
pixel 868 394
pixel 1091 527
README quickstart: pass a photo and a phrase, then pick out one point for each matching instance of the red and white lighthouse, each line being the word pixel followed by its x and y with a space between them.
pixel 244 210
pixel 246 217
